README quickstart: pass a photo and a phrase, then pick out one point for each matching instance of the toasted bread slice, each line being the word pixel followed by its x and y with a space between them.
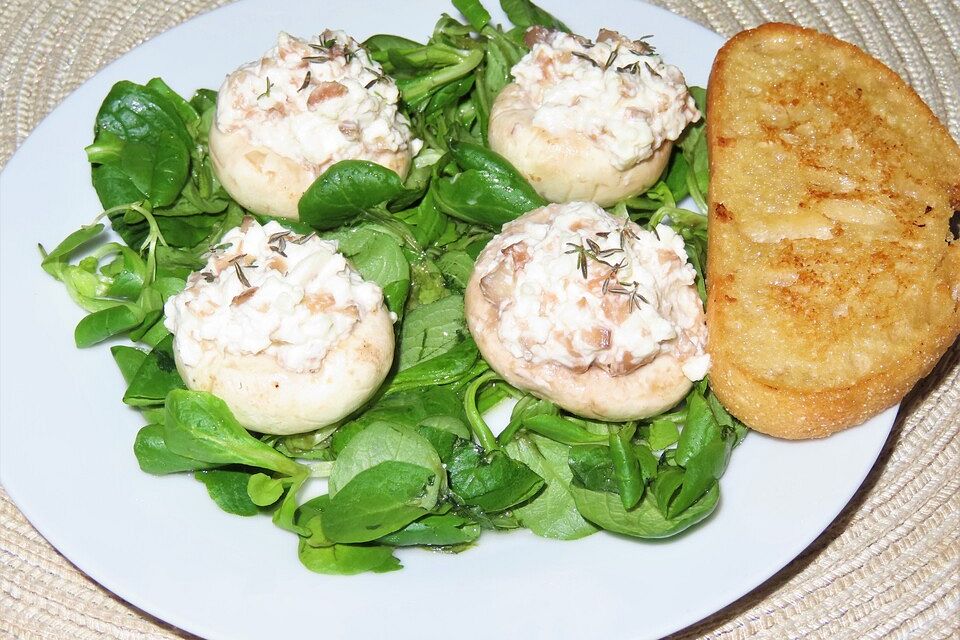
pixel 833 265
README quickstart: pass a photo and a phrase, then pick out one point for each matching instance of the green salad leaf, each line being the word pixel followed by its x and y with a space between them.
pixel 379 500
pixel 553 513
pixel 346 191
pixel 199 425
pixel 445 530
pixel 385 442
pixel 606 510
pixel 491 481
pixel 228 488
pixel 156 377
pixel 445 368
pixel 321 555
pixel 488 191
pixel 142 138
pixel 377 255
pixel 431 330
pixel 524 13
pixel 153 455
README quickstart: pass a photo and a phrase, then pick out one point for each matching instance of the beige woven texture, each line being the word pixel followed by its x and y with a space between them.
pixel 888 567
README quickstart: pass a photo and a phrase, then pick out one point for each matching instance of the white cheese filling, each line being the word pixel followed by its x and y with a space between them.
pixel 588 289
pixel 615 91
pixel 316 102
pixel 267 290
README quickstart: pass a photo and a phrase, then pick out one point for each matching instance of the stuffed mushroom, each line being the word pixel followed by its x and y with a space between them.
pixel 283 120
pixel 590 312
pixel 283 329
pixel 590 121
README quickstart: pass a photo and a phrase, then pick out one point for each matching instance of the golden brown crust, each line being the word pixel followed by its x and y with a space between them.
pixel 833 275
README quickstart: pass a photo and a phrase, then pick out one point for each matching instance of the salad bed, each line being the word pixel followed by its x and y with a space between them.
pixel 418 466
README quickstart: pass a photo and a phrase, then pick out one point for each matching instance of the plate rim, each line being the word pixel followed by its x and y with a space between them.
pixel 97 574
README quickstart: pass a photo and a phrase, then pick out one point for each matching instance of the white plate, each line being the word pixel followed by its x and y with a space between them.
pixel 160 543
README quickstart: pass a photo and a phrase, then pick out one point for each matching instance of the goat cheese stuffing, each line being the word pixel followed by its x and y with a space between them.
pixel 265 290
pixel 616 91
pixel 316 103
pixel 585 288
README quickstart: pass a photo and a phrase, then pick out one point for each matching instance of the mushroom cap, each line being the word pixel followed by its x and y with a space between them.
pixel 267 398
pixel 594 393
pixel 569 166
pixel 267 182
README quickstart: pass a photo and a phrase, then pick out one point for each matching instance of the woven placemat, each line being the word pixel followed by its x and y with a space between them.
pixel 888 567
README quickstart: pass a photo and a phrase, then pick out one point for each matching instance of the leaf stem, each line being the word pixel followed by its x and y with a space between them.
pixel 676 417
pixel 422 86
pixel 320 469
pixel 695 193
pixel 516 421
pixel 477 424
pixel 397 227
pixel 626 467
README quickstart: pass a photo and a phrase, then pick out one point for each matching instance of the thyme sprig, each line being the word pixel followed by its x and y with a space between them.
pixel 378 77
pixel 603 253
pixel 306 82
pixel 582 254
pixel 625 234
pixel 266 93
pixel 612 57
pixel 278 242
pixel 612 276
pixel 345 50
pixel 643 47
pixel 322 45
pixel 323 48
pixel 240 275
pixel 587 58
pixel 630 289
pixel 589 250
pixel 634 68
pixel 304 239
